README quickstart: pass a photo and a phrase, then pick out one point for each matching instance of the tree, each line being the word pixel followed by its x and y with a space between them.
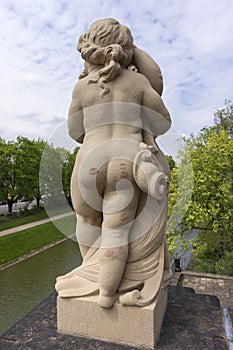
pixel 27 162
pixel 30 168
pixel 67 172
pixel 20 164
pixel 171 162
pixel 8 173
pixel 51 168
pixel 223 118
pixel 180 193
pixel 211 208
pixel 171 233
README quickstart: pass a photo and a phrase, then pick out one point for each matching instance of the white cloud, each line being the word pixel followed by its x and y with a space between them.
pixel 39 64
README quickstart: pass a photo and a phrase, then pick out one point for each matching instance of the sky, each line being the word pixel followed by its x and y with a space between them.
pixel 39 64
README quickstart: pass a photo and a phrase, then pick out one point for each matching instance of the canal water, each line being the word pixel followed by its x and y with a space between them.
pixel 25 284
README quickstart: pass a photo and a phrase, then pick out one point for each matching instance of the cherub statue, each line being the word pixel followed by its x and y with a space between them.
pixel 120 180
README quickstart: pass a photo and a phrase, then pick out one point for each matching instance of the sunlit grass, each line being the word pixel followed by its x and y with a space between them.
pixel 19 243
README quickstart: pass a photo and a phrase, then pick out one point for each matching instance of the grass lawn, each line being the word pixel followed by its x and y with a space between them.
pixel 6 223
pixel 19 243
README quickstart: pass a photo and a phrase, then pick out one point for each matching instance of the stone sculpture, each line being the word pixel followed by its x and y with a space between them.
pixel 120 179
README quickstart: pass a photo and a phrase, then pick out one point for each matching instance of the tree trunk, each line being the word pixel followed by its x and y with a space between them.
pixel 37 202
pixel 10 205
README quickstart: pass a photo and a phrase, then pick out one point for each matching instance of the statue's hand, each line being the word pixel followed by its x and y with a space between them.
pixel 133 68
pixel 144 146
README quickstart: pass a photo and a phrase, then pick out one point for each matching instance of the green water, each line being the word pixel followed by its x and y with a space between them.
pixel 25 284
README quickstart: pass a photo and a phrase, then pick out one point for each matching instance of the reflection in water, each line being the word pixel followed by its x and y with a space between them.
pixel 25 284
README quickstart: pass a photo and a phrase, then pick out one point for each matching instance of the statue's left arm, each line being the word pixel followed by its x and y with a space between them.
pixel 149 68
pixel 155 116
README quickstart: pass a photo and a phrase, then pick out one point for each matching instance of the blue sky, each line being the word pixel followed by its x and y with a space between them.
pixel 39 64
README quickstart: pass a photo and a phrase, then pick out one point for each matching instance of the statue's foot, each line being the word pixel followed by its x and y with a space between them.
pixel 106 302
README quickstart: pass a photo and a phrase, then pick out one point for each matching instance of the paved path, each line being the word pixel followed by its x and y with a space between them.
pixel 205 283
pixel 33 224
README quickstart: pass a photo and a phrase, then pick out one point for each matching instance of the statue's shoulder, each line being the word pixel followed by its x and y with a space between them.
pixel 79 86
pixel 135 77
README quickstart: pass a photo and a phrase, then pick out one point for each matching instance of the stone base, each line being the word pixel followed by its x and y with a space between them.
pixel 129 325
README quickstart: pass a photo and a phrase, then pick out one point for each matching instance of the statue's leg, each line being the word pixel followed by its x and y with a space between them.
pixel 119 208
pixel 88 231
pixel 88 207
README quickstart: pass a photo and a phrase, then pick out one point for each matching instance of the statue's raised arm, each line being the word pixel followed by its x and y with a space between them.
pixel 148 67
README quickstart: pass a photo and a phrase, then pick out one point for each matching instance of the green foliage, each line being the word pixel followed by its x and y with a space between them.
pixel 19 163
pixel 224 266
pixel 200 265
pixel 27 161
pixel 51 166
pixel 172 190
pixel 223 118
pixel 171 234
pixel 171 162
pixel 211 207
pixel 212 201
pixel 30 168
pixel 180 193
pixel 208 183
pixel 8 168
pixel 67 171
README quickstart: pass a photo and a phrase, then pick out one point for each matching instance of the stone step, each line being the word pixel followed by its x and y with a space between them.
pixel 193 321
pixel 182 295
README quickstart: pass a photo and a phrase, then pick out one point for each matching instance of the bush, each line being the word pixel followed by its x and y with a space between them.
pixel 200 265
pixel 224 266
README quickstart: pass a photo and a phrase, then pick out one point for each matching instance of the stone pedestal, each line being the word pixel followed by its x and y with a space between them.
pixel 128 325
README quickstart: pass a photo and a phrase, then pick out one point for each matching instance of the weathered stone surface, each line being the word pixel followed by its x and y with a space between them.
pixel 205 283
pixel 83 317
pixel 191 322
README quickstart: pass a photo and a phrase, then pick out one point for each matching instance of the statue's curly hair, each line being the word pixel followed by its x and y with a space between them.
pixel 109 44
